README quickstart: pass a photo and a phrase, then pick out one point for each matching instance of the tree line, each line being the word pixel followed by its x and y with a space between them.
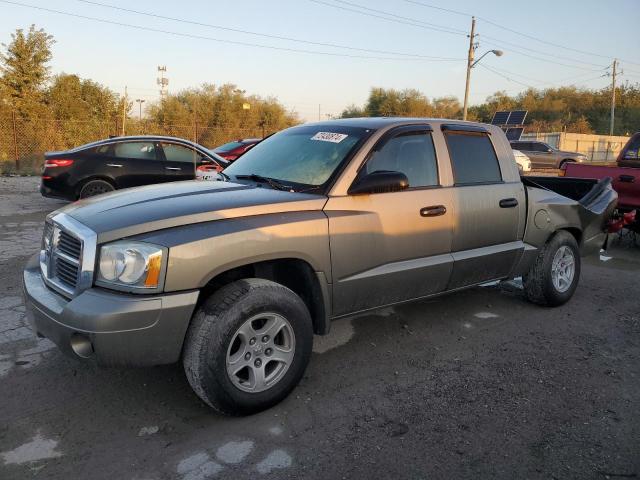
pixel 571 109
pixel 40 111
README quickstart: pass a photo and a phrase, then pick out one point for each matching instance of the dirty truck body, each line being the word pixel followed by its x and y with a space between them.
pixel 409 209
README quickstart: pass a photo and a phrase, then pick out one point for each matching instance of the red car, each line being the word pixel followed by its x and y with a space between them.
pixel 232 150
pixel 625 177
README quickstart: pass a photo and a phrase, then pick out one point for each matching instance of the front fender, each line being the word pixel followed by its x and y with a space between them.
pixel 199 252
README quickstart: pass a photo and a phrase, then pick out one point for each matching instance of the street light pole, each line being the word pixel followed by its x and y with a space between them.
pixel 140 101
pixel 469 63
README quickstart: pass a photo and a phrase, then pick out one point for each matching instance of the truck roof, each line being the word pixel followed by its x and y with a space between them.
pixel 379 122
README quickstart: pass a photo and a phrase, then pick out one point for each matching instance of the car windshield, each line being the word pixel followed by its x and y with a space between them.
pixel 228 147
pixel 306 155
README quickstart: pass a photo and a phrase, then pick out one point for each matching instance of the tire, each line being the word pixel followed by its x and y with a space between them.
pixel 95 187
pixel 563 163
pixel 218 336
pixel 539 284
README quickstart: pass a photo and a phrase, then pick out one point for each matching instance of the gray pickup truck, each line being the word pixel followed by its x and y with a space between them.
pixel 317 222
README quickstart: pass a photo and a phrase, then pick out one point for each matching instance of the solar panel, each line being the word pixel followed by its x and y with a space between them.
pixel 500 118
pixel 514 133
pixel 516 117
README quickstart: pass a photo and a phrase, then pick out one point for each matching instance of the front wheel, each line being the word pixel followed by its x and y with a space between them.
pixel 248 346
pixel 553 278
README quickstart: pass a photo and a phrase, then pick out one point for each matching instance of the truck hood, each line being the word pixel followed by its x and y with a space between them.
pixel 139 210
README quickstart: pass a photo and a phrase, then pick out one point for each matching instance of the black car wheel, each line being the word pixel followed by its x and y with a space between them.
pixel 95 187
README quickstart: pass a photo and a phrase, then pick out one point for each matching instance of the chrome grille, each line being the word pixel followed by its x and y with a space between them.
pixel 66 272
pixel 69 245
pixel 67 255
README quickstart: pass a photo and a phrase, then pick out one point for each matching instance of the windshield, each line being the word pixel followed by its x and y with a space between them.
pixel 306 155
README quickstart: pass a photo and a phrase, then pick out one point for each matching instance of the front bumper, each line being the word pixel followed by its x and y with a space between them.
pixel 111 328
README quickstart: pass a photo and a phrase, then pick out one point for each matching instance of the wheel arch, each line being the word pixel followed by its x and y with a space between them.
pixel 81 183
pixel 294 273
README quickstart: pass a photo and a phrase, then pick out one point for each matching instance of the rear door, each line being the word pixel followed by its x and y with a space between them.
pixel 179 161
pixel 134 163
pixel 488 209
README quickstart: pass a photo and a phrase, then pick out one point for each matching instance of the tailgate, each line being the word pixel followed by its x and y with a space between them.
pixel 626 180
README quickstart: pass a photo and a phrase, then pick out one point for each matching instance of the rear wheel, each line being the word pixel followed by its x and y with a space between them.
pixel 248 346
pixel 554 276
pixel 95 187
pixel 563 163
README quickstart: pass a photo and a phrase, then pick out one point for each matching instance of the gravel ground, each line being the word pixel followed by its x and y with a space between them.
pixel 479 384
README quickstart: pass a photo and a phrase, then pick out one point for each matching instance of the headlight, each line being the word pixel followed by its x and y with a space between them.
pixel 131 266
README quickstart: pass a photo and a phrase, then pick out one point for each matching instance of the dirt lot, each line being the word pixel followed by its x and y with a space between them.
pixel 479 384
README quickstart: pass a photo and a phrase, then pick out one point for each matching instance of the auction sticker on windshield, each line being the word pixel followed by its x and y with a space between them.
pixel 329 137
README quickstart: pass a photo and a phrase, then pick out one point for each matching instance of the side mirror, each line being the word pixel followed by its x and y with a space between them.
pixel 380 182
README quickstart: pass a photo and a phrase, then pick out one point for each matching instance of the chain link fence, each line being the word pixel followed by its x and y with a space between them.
pixel 24 142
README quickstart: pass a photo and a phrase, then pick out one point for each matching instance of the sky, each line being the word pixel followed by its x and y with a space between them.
pixel 540 41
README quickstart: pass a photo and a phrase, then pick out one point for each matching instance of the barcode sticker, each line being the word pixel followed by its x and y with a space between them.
pixel 329 137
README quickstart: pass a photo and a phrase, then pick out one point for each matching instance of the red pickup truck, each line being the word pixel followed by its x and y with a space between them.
pixel 625 176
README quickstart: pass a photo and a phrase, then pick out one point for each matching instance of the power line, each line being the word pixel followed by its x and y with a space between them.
pixel 202 37
pixel 414 23
pixel 498 25
pixel 431 26
pixel 265 35
pixel 496 71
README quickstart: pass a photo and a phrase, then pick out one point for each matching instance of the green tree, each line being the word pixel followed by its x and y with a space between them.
pixel 24 68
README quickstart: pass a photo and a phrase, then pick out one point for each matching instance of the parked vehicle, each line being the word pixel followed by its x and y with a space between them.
pixel 523 162
pixel 625 176
pixel 123 162
pixel 543 155
pixel 232 150
pixel 317 222
pixel 629 156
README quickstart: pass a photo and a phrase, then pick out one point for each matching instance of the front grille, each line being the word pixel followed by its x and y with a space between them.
pixel 68 255
pixel 69 245
pixel 66 272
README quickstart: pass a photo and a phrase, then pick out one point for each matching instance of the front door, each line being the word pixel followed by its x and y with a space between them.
pixel 395 246
pixel 485 243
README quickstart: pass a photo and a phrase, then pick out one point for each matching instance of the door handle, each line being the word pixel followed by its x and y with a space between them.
pixel 115 165
pixel 508 203
pixel 172 168
pixel 627 178
pixel 433 211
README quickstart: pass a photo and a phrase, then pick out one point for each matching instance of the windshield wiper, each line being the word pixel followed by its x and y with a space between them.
pixel 269 181
pixel 226 177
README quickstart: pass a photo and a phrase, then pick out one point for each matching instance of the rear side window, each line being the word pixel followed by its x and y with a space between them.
pixel 473 158
pixel 632 151
pixel 139 150
pixel 411 153
pixel 179 153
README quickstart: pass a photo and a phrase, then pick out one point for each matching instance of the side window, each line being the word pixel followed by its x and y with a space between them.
pixel 140 150
pixel 411 153
pixel 179 153
pixel 539 147
pixel 633 149
pixel 473 158
pixel 103 149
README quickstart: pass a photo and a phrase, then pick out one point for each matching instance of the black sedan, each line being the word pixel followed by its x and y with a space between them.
pixel 123 162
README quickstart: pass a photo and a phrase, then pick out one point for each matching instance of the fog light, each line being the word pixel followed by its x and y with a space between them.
pixel 81 345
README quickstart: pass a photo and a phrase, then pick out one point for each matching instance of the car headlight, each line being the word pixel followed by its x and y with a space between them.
pixel 131 266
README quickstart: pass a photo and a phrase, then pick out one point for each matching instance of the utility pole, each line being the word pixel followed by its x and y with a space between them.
pixel 319 116
pixel 124 110
pixel 472 48
pixel 613 95
pixel 140 101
